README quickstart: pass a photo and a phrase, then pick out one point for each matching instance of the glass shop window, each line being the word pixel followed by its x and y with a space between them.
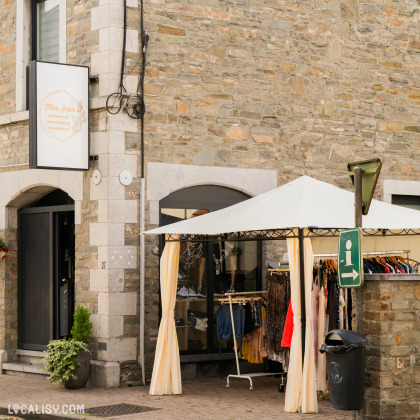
pixel 207 270
pixel 47 30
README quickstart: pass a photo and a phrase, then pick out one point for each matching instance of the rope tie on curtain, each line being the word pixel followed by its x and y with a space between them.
pixel 168 314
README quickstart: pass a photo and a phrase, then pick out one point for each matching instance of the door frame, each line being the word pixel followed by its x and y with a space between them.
pixel 34 210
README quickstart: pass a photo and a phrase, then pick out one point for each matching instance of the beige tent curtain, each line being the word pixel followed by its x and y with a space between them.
pixel 309 397
pixel 293 398
pixel 166 376
pixel 321 384
pixel 301 386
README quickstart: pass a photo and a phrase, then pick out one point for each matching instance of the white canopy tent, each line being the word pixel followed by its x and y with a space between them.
pixel 304 208
pixel 304 202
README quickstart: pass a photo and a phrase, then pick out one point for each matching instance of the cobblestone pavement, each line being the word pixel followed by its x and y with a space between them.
pixel 202 399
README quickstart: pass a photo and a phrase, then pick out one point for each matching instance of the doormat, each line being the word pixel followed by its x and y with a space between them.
pixel 118 410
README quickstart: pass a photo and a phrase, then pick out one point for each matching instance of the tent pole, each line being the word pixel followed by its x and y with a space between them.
pixel 302 289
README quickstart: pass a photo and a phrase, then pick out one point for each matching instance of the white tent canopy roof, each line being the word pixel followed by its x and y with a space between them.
pixel 304 202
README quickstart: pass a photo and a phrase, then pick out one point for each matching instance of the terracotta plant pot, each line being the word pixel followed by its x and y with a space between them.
pixel 81 373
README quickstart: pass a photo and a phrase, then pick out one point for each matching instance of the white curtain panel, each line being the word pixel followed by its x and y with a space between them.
pixel 309 397
pixel 293 398
pixel 166 376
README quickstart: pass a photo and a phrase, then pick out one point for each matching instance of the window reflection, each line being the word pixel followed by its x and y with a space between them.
pixel 235 265
pixel 48 30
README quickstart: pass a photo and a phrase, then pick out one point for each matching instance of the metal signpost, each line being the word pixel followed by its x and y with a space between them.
pixel 350 262
pixel 364 176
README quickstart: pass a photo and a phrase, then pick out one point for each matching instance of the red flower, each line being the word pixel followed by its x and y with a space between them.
pixel 5 249
pixel 3 257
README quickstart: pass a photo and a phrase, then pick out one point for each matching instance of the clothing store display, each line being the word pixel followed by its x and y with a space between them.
pixel 278 298
pixel 333 311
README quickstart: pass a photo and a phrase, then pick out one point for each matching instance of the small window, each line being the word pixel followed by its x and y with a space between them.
pixel 410 201
pixel 46 30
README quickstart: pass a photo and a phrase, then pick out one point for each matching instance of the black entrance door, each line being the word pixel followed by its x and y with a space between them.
pixel 46 275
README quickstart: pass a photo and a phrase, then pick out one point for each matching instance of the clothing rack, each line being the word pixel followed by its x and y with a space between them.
pixel 246 298
pixel 397 252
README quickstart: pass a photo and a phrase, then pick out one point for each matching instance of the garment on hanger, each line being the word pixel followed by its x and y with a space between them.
pixel 314 313
pixel 278 298
pixel 252 316
pixel 321 371
pixel 288 328
pixel 224 324
pixel 387 264
pixel 253 349
pixel 333 302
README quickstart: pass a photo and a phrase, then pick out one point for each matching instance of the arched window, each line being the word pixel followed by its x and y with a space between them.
pixel 207 270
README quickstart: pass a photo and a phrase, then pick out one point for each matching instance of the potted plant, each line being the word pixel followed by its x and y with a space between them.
pixel 68 360
pixel 3 249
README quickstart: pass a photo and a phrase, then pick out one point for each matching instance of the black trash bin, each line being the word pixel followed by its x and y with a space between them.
pixel 346 368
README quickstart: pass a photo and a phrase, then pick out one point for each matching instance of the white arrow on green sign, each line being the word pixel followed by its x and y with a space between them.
pixel 350 261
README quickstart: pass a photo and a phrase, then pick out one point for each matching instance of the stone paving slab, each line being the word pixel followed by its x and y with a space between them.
pixel 204 399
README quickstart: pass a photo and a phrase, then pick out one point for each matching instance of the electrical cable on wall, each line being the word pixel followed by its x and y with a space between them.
pixel 133 103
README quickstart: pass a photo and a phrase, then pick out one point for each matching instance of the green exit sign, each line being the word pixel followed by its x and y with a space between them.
pixel 350 261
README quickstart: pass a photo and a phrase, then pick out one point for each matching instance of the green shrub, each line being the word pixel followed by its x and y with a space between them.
pixel 61 360
pixel 82 327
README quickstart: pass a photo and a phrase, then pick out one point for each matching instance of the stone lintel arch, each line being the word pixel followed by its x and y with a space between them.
pixel 164 179
pixel 21 188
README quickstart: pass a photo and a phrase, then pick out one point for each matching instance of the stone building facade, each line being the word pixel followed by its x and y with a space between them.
pixel 245 95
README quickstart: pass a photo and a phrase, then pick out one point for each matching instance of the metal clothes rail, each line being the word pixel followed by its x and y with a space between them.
pixel 396 252
pixel 246 298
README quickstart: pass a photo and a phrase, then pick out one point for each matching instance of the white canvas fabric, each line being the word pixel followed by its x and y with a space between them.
pixel 304 202
pixel 166 376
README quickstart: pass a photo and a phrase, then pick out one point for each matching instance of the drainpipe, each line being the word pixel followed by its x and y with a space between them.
pixel 144 41
pixel 142 280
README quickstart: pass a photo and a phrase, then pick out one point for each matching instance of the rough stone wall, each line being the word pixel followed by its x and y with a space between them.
pixel 81 41
pixel 7 55
pixel 301 87
pixel 391 321
pixel 14 145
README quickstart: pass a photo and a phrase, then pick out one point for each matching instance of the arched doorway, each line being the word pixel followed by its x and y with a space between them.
pixel 45 268
pixel 208 269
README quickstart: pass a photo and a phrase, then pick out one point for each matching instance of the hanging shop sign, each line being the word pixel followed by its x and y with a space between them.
pixel 58 116
pixel 350 261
